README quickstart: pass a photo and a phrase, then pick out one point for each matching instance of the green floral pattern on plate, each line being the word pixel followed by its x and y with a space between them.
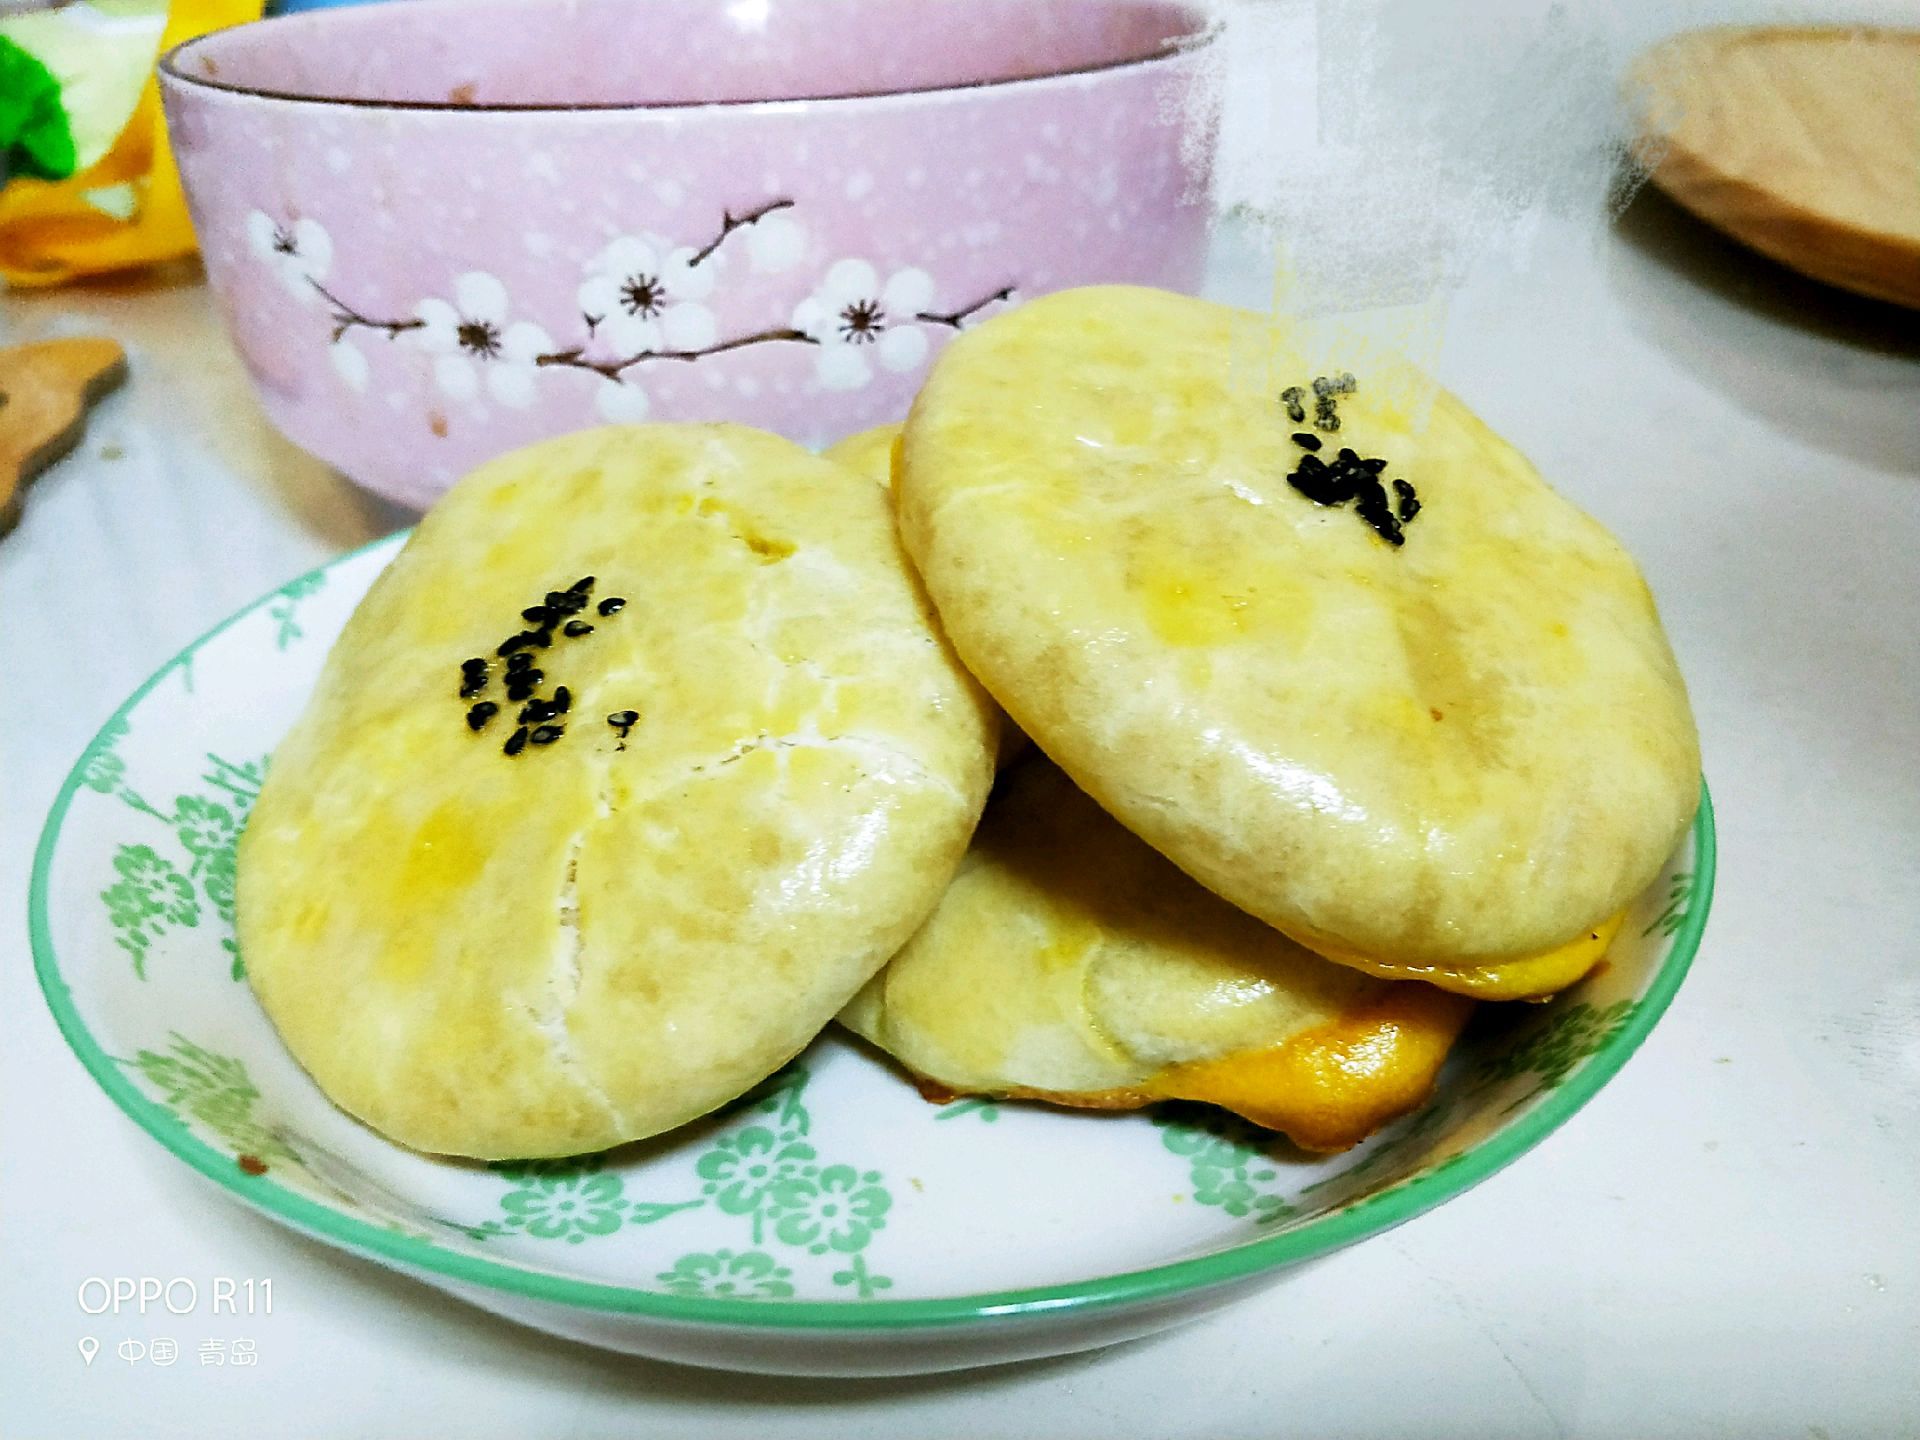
pixel 1548 1049
pixel 1551 1048
pixel 749 1275
pixel 986 1108
pixel 764 1172
pixel 1399 1147
pixel 1228 1161
pixel 152 893
pixel 215 1090
pixel 742 1170
pixel 572 1200
pixel 286 607
pixel 1679 906
pixel 149 898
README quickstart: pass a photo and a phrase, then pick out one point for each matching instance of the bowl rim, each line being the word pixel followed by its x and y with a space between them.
pixel 1367 1216
pixel 1203 31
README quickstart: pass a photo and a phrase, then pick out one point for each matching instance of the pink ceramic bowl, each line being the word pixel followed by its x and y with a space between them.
pixel 445 228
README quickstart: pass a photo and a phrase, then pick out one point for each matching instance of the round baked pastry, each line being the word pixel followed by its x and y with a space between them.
pixel 869 451
pixel 640 758
pixel 1068 962
pixel 1365 676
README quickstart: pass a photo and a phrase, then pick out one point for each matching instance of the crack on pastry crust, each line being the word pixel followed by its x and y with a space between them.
pixel 783 667
pixel 878 755
pixel 563 980
pixel 766 550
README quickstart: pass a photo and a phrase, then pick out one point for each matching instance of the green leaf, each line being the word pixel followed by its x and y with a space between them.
pixel 35 136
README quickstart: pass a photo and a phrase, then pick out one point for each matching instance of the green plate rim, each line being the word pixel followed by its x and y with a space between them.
pixel 1367 1216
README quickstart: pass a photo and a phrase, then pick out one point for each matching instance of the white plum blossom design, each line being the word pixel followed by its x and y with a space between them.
pixel 299 253
pixel 621 402
pixel 640 296
pixel 471 339
pixel 351 365
pixel 643 301
pixel 775 242
pixel 853 315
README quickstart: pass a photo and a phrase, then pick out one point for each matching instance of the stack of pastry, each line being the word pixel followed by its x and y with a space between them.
pixel 658 747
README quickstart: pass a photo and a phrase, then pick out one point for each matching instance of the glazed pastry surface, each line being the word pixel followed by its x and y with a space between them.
pixel 1069 962
pixel 603 936
pixel 1455 758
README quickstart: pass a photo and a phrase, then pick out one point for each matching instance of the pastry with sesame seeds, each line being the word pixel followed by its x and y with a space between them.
pixel 507 937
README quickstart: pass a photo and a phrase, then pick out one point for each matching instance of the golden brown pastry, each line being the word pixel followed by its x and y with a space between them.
pixel 641 757
pixel 1368 679
pixel 871 453
pixel 1068 962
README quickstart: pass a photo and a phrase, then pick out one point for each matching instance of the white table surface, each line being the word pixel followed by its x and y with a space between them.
pixel 1723 1243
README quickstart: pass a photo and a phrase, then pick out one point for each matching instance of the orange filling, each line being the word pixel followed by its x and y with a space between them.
pixel 1329 1087
pixel 1532 977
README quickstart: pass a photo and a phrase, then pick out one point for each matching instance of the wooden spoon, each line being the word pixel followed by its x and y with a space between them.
pixel 1801 142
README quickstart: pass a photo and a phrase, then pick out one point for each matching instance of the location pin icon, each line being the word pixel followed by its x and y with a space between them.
pixel 89 1347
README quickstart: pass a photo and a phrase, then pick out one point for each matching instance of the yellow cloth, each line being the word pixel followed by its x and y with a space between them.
pixel 51 232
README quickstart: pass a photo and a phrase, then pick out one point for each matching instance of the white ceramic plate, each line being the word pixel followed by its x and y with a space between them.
pixel 831 1223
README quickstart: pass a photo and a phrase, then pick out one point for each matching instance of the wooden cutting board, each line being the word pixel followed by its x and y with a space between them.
pixel 1802 142
pixel 45 392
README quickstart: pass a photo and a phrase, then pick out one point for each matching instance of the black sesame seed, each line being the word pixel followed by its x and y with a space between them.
pixel 537 613
pixel 562 700
pixel 622 719
pixel 472 685
pixel 521 690
pixel 513 643
pixel 559 600
pixel 535 712
pixel 476 664
pixel 582 585
pixel 516 742
pixel 1371 506
pixel 1326 392
pixel 547 734
pixel 1409 505
pixel 576 628
pixel 613 604
pixel 1322 483
pixel 519 662
pixel 1306 440
pixel 481 713
pixel 542 637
